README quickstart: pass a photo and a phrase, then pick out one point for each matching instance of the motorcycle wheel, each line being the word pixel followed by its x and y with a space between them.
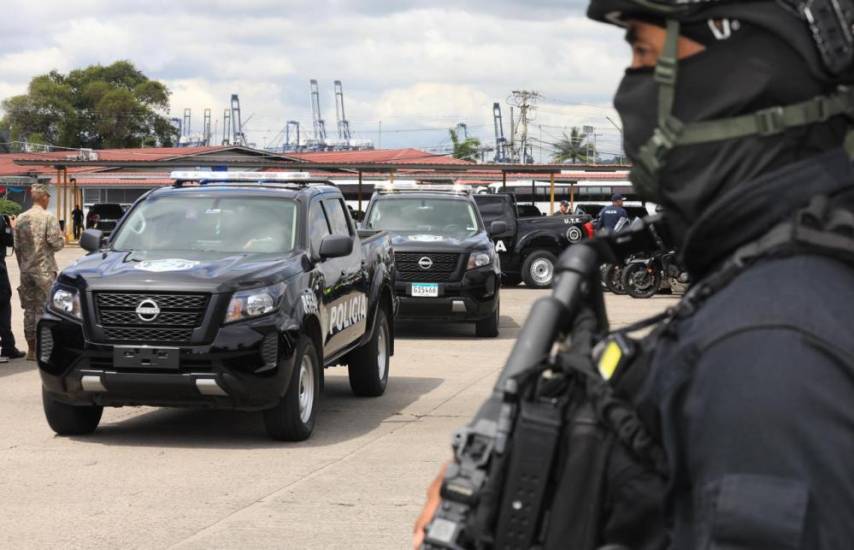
pixel 641 281
pixel 614 279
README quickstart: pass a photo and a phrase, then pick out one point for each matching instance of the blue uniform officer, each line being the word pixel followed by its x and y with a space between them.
pixel 610 216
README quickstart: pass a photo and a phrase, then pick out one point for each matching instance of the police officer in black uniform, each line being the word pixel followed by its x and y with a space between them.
pixel 8 349
pixel 738 117
pixel 610 216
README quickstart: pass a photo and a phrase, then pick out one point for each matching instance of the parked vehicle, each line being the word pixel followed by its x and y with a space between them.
pixel 447 266
pixel 612 278
pixel 529 247
pixel 590 195
pixel 232 293
pixel 644 276
pixel 105 217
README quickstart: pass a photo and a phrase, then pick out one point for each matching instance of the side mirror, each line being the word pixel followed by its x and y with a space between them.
pixel 335 246
pixel 497 228
pixel 91 240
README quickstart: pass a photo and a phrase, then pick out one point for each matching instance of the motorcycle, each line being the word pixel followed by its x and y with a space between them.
pixel 612 278
pixel 645 277
pixel 612 274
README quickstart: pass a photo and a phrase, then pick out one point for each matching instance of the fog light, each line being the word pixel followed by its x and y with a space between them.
pixel 45 344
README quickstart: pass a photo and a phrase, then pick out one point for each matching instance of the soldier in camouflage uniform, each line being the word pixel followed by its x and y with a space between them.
pixel 37 237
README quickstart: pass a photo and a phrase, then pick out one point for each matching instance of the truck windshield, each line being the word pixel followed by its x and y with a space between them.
pixel 238 225
pixel 452 217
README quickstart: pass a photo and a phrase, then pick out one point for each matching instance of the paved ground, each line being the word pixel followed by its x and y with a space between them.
pixel 154 478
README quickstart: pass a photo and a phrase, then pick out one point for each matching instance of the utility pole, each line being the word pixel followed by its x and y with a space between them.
pixel 526 101
pixel 622 137
pixel 589 131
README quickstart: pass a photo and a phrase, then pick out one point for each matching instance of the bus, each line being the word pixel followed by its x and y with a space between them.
pixel 584 197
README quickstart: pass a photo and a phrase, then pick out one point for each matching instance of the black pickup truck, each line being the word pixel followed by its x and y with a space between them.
pixel 230 293
pixel 529 246
pixel 447 268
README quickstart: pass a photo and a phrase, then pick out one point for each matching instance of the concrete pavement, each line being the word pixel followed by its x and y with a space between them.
pixel 157 478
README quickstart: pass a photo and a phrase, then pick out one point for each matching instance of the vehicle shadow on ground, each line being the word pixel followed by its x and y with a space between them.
pixel 341 417
pixel 16 367
pixel 508 328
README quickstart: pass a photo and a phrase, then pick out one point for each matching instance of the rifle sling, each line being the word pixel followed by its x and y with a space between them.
pixel 537 435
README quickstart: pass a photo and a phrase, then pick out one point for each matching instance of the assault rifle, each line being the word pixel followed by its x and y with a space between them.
pixel 495 493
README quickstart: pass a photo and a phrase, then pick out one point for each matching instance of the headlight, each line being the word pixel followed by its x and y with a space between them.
pixel 248 304
pixel 66 301
pixel 479 259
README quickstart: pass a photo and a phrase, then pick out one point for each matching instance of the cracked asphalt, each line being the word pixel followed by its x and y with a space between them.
pixel 169 478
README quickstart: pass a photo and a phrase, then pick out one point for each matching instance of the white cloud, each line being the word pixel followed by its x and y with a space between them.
pixel 414 67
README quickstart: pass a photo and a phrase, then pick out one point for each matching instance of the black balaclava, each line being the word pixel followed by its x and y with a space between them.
pixel 749 70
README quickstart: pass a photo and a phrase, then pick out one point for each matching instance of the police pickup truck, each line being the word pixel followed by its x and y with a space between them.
pixel 447 268
pixel 529 246
pixel 228 290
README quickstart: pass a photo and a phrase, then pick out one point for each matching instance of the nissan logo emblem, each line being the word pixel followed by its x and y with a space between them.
pixel 425 263
pixel 147 310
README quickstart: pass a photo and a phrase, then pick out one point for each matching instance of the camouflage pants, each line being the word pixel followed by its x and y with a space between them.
pixel 34 291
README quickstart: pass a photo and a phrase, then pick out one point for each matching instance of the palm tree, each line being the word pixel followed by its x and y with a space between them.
pixel 467 149
pixel 573 148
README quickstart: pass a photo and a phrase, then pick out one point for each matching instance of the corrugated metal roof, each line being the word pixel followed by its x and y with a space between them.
pixel 399 156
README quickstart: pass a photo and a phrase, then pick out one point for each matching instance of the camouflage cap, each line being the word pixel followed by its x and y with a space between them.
pixel 40 188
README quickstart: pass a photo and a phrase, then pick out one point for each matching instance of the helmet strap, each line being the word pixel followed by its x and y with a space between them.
pixel 651 156
pixel 672 132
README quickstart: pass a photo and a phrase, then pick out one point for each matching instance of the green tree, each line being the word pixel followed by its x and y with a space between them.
pixel 573 148
pixel 465 149
pixel 95 107
pixel 9 208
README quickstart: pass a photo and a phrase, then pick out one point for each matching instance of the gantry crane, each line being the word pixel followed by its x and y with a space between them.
pixel 238 137
pixel 317 119
pixel 343 123
pixel 500 140
pixel 295 145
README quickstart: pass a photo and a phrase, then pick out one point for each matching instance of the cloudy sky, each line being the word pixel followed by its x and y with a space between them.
pixel 419 66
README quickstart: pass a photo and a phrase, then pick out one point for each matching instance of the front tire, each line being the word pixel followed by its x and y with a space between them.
pixel 293 419
pixel 488 328
pixel 538 270
pixel 368 366
pixel 641 281
pixel 67 419
pixel 614 279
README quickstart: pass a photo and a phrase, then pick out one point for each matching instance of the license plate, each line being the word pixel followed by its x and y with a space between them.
pixel 425 290
pixel 143 357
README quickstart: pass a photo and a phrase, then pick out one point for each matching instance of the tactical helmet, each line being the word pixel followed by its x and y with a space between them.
pixel 831 22
pixel 821 31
